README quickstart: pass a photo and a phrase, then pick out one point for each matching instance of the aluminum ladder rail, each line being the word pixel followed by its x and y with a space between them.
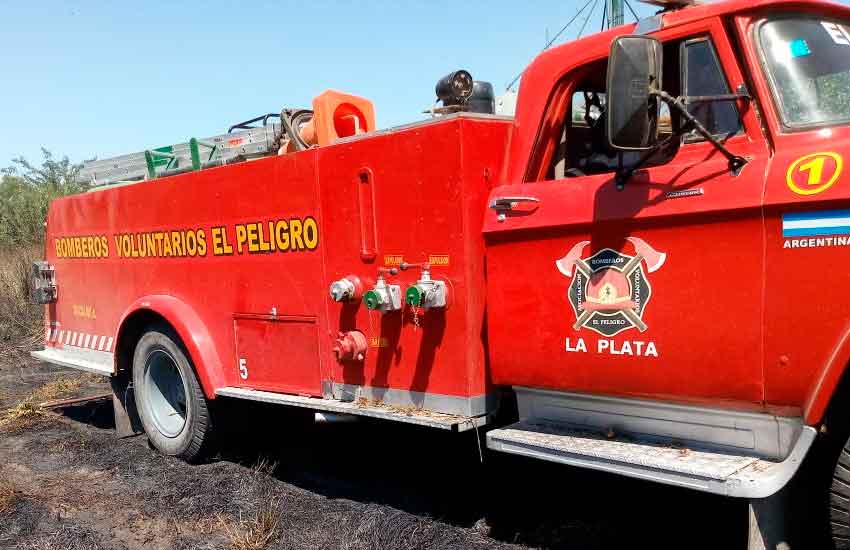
pixel 181 157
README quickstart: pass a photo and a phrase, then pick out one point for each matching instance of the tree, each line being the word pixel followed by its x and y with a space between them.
pixel 25 193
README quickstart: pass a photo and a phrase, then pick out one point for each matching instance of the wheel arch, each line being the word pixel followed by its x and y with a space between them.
pixel 833 376
pixel 185 322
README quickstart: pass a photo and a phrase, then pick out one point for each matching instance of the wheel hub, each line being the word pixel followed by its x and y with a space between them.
pixel 166 393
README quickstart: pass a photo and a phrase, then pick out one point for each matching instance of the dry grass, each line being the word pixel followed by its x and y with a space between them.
pixel 29 411
pixel 58 388
pixel 258 531
pixel 254 533
pixel 69 537
pixel 9 496
pixel 21 325
pixel 21 416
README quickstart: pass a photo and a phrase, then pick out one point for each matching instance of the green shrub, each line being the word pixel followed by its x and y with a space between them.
pixel 25 193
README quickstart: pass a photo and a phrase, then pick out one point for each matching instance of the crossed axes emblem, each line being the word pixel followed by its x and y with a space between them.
pixel 644 253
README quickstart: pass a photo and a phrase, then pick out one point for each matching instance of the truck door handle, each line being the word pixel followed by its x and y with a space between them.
pixel 504 204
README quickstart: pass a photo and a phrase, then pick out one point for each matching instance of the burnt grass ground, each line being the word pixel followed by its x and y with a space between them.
pixel 67 483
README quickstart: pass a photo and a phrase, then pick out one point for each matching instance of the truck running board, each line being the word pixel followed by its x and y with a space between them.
pixel 370 409
pixel 98 362
pixel 709 471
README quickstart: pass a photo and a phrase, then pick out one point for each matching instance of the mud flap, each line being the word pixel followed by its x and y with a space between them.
pixel 127 422
pixel 767 522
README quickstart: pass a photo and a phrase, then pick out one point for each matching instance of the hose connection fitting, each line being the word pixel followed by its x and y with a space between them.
pixel 426 292
pixel 383 297
pixel 347 289
pixel 350 346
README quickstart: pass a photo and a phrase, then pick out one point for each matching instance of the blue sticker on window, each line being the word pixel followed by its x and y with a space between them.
pixel 799 48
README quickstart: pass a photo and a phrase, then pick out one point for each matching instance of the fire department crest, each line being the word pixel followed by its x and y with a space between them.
pixel 609 290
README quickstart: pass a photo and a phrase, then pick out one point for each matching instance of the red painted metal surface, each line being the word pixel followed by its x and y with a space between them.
pixel 729 315
pixel 428 192
pixel 738 320
pixel 421 201
pixel 279 354
pixel 807 330
pixel 704 302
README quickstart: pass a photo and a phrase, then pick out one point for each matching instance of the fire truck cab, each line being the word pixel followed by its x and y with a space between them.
pixel 647 257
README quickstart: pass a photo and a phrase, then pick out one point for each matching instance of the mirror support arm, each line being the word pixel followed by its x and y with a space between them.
pixel 736 162
pixel 626 174
pixel 693 99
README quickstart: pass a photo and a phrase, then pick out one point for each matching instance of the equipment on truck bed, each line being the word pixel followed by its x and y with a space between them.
pixel 234 146
pixel 458 92
pixel 334 115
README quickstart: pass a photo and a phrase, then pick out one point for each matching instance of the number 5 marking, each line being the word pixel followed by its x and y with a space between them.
pixel 814 168
pixel 243 369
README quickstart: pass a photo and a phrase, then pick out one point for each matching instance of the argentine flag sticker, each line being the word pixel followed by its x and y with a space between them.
pixel 813 224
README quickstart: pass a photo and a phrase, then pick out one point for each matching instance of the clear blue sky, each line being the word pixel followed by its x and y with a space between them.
pixel 88 79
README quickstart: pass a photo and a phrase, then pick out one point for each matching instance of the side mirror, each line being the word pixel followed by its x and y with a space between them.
pixel 634 71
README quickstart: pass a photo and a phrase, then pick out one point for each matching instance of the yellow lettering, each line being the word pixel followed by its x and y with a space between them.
pixel 228 248
pixel 125 245
pixel 240 237
pixel 281 235
pixel 295 234
pixel 191 243
pixel 264 244
pixel 150 244
pixel 175 243
pixel 166 246
pixel 311 233
pixel 271 236
pixel 252 238
pixel 202 243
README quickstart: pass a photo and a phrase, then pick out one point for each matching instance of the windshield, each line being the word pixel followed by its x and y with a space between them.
pixel 808 61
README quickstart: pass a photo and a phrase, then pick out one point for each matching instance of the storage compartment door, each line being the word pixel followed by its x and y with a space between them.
pixel 278 354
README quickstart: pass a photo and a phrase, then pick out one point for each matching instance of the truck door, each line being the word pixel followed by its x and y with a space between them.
pixel 654 290
pixel 804 80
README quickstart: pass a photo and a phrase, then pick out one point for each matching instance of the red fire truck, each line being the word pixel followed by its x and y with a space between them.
pixel 646 259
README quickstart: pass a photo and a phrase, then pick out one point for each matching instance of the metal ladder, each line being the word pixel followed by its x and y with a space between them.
pixel 242 141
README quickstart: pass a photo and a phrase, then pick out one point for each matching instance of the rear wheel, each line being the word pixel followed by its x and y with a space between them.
pixel 171 403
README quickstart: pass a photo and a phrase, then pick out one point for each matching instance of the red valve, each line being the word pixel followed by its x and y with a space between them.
pixel 350 346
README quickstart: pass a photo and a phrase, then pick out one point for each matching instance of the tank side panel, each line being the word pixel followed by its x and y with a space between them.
pixel 233 265
pixel 429 192
pixel 428 188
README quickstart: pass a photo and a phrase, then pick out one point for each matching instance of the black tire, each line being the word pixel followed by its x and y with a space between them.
pixel 839 500
pixel 169 398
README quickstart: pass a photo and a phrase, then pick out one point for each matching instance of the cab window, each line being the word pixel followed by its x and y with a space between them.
pixel 808 65
pixel 702 76
pixel 690 67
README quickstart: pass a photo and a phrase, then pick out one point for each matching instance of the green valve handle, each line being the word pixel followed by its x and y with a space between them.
pixel 372 300
pixel 413 296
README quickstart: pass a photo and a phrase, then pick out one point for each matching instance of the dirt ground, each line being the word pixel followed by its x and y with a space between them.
pixel 67 483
